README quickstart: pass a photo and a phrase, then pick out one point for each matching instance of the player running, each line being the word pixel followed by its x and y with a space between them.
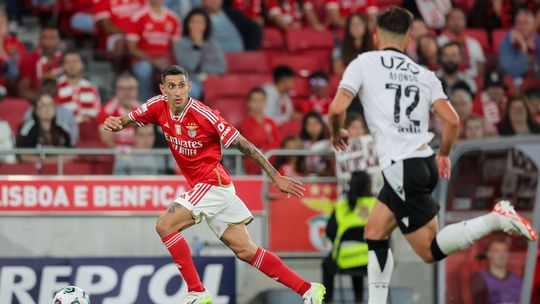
pixel 397 95
pixel 195 134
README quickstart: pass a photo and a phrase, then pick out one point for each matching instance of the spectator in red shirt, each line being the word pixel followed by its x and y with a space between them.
pixel 123 102
pixel 252 9
pixel 289 14
pixel 113 18
pixel 490 102
pixel 150 42
pixel 75 93
pixel 260 130
pixel 293 166
pixel 44 62
pixel 356 41
pixel 338 11
pixel 319 99
pixel 11 51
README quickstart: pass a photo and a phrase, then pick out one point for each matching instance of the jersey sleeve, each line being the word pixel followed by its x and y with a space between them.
pixel 102 10
pixel 352 77
pixel 227 133
pixel 436 89
pixel 145 114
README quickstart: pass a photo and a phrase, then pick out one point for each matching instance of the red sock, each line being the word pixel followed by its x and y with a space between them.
pixel 269 264
pixel 179 249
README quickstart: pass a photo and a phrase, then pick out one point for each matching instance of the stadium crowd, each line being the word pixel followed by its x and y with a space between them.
pixel 270 67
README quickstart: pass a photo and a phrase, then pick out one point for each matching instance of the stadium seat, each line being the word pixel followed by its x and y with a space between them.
pixel 232 109
pixel 12 110
pixel 497 36
pixel 530 83
pixel 290 128
pixel 88 131
pixel 272 39
pixel 18 169
pixel 247 62
pixel 69 168
pixel 301 89
pixel 307 39
pixel 231 86
pixel 302 65
pixel 481 36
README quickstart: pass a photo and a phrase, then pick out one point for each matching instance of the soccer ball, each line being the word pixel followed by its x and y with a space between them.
pixel 71 295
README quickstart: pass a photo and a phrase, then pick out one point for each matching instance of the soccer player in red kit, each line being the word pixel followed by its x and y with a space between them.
pixel 195 134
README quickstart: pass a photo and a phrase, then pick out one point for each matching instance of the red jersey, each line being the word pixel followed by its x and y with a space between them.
pixel 13 48
pixel 250 8
pixel 154 33
pixel 82 99
pixel 348 7
pixel 119 11
pixel 125 137
pixel 35 66
pixel 319 105
pixel 263 135
pixel 194 137
pixel 289 9
pixel 491 110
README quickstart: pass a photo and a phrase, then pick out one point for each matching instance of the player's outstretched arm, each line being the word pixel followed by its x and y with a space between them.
pixel 450 133
pixel 115 124
pixel 336 118
pixel 285 184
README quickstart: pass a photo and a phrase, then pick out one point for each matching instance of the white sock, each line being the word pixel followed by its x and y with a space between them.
pixel 460 235
pixel 378 279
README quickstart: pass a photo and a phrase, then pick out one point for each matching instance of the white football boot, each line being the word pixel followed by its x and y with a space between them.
pixel 512 222
pixel 315 294
pixel 195 297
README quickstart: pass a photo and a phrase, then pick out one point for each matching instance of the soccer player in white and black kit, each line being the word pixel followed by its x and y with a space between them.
pixel 397 95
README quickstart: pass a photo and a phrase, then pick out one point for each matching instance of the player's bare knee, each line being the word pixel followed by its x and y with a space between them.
pixel 372 233
pixel 245 254
pixel 426 256
pixel 163 226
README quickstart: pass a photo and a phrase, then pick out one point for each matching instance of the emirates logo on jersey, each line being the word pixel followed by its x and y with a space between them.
pixel 192 129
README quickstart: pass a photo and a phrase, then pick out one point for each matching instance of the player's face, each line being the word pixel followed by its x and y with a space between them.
pixel 73 65
pixel 126 91
pixel 498 254
pixel 176 88
pixel 474 129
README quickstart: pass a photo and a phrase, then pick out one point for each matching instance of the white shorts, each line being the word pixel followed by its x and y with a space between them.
pixel 219 206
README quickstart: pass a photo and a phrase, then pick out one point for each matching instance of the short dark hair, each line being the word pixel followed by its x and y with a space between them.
pixel 49 27
pixel 173 70
pixel 395 19
pixel 447 45
pixel 353 116
pixel 191 14
pixel 282 71
pixel 319 74
pixel 256 90
pixel 70 52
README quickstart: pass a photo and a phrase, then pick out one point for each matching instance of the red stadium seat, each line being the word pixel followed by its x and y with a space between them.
pixel 88 131
pixel 231 86
pixel 307 39
pixel 18 169
pixel 302 65
pixel 530 83
pixel 301 89
pixel 247 62
pixel 290 128
pixel 481 36
pixel 12 110
pixel 69 168
pixel 272 39
pixel 232 109
pixel 498 37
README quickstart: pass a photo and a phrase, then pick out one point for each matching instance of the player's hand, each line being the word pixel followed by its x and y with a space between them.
pixel 113 124
pixel 444 165
pixel 289 186
pixel 340 142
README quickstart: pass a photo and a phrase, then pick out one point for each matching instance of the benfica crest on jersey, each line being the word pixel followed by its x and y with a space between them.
pixel 192 129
